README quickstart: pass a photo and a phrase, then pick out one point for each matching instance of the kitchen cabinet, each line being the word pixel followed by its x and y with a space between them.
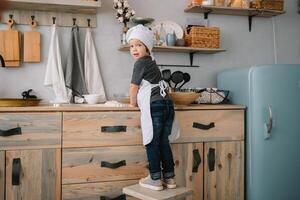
pixel 89 152
pixel 214 170
pixel 33 174
pixel 2 174
pixel 101 149
pixel 224 170
pixel 30 155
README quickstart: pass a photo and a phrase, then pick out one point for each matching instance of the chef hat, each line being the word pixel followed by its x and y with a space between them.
pixel 143 34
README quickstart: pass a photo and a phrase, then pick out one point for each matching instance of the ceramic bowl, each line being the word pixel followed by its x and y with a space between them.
pixel 92 98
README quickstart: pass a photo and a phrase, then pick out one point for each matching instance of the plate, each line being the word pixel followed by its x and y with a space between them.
pixel 169 27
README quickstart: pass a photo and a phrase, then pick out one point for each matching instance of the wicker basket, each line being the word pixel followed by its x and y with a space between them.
pixel 184 98
pixel 202 37
pixel 268 4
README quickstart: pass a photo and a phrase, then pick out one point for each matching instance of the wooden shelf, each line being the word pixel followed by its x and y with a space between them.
pixel 176 49
pixel 233 11
pixel 70 6
pixel 179 49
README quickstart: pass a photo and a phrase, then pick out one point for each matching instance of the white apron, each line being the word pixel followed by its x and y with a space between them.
pixel 143 100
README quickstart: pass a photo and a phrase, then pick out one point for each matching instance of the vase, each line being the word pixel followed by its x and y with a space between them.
pixel 123 35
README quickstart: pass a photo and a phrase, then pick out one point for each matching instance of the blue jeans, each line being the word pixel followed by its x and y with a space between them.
pixel 159 151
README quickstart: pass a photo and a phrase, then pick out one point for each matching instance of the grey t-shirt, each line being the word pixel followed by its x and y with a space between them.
pixel 146 68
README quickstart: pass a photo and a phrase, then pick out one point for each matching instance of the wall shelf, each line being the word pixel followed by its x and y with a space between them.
pixel 250 12
pixel 44 10
pixel 177 49
pixel 70 6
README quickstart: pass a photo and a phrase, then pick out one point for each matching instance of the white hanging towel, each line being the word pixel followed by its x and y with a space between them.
pixel 92 74
pixel 54 76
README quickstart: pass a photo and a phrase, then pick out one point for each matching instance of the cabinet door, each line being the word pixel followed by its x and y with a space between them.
pixel 189 167
pixel 224 171
pixel 2 173
pixel 33 174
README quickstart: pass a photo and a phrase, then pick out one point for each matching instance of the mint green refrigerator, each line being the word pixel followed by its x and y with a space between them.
pixel 272 96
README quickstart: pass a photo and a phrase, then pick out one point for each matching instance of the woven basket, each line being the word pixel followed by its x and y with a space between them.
pixel 268 4
pixel 272 4
pixel 203 37
pixel 184 98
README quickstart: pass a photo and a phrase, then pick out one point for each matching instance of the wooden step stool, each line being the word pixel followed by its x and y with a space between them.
pixel 146 194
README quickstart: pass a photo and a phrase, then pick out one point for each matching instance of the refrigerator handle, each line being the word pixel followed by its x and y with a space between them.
pixel 269 125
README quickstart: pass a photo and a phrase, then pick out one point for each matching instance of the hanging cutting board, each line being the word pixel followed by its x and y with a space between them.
pixel 32 44
pixel 10 45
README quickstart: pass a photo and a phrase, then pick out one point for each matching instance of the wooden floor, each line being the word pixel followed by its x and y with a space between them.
pixel 146 194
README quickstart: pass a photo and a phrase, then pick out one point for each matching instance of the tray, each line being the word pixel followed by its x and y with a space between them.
pixel 10 102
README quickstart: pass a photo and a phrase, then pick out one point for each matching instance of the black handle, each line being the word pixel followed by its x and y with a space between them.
pixel 211 159
pixel 16 171
pixel 203 126
pixel 10 132
pixel 196 161
pixel 121 197
pixel 113 165
pixel 113 129
pixel 2 61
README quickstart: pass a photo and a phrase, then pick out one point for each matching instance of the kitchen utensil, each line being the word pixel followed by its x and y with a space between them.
pixel 177 77
pixel 32 44
pixel 186 78
pixel 166 74
pixel 169 27
pixel 10 45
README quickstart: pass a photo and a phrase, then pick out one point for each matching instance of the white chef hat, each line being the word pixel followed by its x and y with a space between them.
pixel 143 34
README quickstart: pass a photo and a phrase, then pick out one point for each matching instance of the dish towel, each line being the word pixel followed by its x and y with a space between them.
pixel 74 71
pixel 92 73
pixel 54 76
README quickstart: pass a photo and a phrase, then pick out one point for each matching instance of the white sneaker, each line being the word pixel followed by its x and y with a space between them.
pixel 151 184
pixel 169 183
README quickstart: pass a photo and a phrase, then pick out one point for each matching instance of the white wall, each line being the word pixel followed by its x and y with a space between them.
pixel 244 48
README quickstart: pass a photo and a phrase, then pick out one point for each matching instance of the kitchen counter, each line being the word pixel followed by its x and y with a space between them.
pixel 86 151
pixel 101 107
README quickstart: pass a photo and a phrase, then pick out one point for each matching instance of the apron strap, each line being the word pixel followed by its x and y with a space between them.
pixel 163 86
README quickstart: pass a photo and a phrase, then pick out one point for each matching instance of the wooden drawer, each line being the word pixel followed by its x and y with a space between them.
pixel 30 130
pixel 94 191
pixel 92 129
pixel 84 165
pixel 228 125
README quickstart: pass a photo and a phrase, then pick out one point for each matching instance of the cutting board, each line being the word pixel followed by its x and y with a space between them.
pixel 32 44
pixel 10 45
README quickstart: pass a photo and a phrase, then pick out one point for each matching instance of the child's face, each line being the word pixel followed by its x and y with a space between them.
pixel 137 49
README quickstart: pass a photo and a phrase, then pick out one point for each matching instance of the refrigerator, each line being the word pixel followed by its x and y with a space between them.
pixel 271 94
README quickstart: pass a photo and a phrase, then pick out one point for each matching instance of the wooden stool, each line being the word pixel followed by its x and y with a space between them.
pixel 146 194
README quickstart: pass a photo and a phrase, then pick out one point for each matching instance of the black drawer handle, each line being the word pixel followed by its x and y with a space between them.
pixel 113 129
pixel 203 126
pixel 16 171
pixel 10 132
pixel 196 160
pixel 113 165
pixel 211 157
pixel 121 197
